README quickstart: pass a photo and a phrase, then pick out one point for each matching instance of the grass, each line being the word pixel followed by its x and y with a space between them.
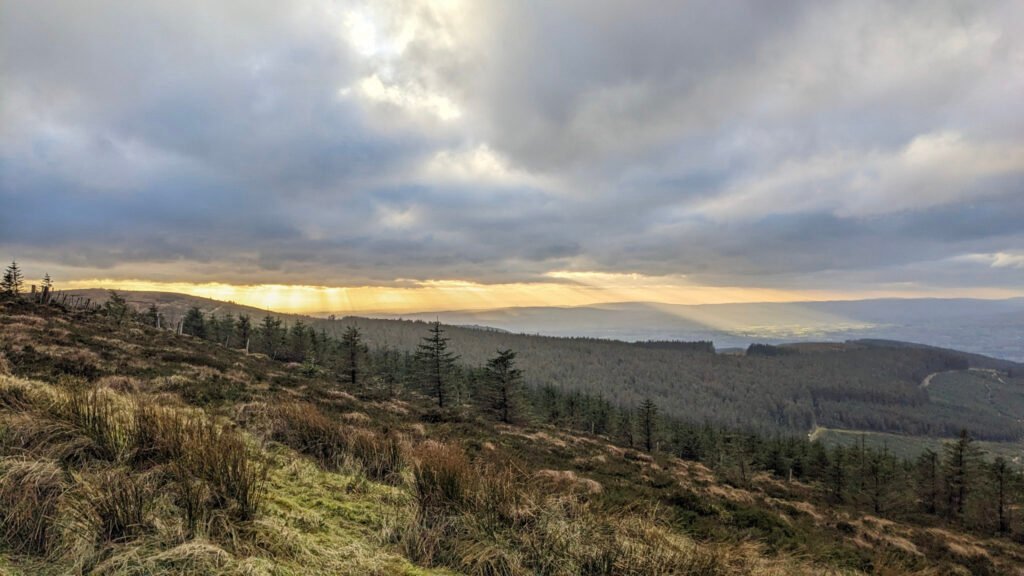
pixel 305 428
pixel 115 505
pixel 31 495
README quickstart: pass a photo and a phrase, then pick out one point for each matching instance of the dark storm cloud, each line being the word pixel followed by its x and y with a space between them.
pixel 325 142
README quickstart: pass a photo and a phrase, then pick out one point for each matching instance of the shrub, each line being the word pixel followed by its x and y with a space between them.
pixel 30 497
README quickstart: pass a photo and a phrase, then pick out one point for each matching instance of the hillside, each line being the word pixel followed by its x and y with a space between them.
pixel 990 327
pixel 865 385
pixel 125 449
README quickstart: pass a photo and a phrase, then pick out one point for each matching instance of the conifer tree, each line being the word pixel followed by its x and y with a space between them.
pixel 648 420
pixel 226 330
pixel 47 282
pixel 116 308
pixel 927 481
pixel 270 337
pixel 837 476
pixel 13 280
pixel 878 477
pixel 959 467
pixel 436 363
pixel 353 356
pixel 194 323
pixel 298 342
pixel 151 317
pixel 505 386
pixel 243 330
pixel 626 429
pixel 1002 480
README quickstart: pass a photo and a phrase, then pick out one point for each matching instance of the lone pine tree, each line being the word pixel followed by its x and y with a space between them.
pixel 436 363
pixel 648 421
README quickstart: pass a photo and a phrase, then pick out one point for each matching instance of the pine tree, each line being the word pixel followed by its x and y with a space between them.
pixel 226 330
pixel 353 356
pixel 243 330
pixel 959 467
pixel 13 280
pixel 271 336
pixel 837 476
pixel 436 364
pixel 116 308
pixel 194 323
pixel 298 342
pixel 1002 487
pixel 878 477
pixel 648 421
pixel 47 282
pixel 626 430
pixel 505 386
pixel 927 481
pixel 151 317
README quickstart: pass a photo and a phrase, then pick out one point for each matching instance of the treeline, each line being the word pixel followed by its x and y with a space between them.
pixel 851 386
pixel 706 346
pixel 958 485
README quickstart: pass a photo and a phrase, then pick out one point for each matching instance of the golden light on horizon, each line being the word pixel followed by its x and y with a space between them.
pixel 562 289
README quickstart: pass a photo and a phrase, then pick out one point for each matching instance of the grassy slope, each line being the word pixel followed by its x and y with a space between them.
pixel 339 522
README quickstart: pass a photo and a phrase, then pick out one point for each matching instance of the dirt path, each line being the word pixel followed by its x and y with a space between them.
pixel 928 379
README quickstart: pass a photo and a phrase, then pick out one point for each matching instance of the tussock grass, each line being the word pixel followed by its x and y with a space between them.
pixel 90 472
pixel 443 478
pixel 31 495
pixel 305 428
pixel 99 415
pixel 236 474
pixel 15 395
pixel 115 505
pixel 382 456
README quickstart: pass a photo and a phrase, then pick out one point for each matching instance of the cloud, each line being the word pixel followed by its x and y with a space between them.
pixel 343 143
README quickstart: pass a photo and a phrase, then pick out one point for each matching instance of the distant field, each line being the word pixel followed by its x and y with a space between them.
pixel 912 446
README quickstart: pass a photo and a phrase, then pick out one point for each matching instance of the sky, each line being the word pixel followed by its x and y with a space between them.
pixel 444 154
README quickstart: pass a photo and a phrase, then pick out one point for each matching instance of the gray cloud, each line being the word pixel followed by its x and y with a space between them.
pixel 785 144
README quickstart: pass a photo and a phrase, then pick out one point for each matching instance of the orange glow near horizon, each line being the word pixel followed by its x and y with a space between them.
pixel 563 289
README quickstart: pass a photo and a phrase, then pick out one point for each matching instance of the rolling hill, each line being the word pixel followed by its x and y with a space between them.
pixel 870 385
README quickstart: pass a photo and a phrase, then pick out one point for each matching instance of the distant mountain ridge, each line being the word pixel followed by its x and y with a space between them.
pixel 990 327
